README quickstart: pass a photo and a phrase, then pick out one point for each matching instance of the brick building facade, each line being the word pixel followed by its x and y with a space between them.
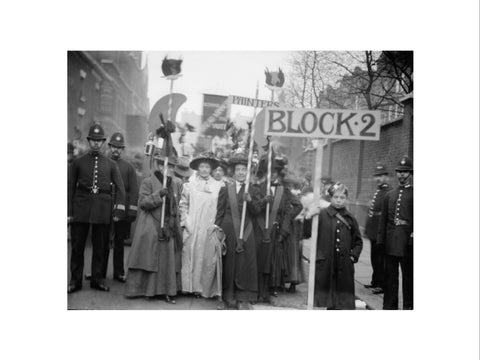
pixel 110 88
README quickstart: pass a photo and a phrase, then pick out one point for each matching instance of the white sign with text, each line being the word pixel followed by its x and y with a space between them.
pixel 323 123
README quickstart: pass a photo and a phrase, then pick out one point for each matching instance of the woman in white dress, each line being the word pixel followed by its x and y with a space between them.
pixel 201 252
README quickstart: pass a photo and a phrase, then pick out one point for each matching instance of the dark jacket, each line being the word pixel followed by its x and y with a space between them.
pixel 375 210
pixel 86 206
pixel 239 269
pixel 129 178
pixel 396 222
pixel 334 272
pixel 289 207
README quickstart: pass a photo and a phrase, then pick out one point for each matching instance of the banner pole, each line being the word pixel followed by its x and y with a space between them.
pixel 269 173
pixel 249 166
pixel 314 232
pixel 165 163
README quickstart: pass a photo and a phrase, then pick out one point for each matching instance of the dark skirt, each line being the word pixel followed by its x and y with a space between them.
pixel 239 278
pixel 293 252
pixel 163 282
pixel 279 264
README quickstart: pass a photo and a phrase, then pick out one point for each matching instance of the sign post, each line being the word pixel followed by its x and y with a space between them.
pixel 323 123
pixel 313 239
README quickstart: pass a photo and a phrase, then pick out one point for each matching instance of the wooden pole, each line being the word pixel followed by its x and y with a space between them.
pixel 165 163
pixel 249 166
pixel 269 175
pixel 313 239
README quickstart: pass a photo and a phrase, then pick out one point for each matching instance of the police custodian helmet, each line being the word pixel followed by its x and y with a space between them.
pixel 405 164
pixel 96 133
pixel 117 140
pixel 380 169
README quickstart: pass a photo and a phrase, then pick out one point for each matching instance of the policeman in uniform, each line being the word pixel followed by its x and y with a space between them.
pixel 371 228
pixel 120 230
pixel 89 204
pixel 396 233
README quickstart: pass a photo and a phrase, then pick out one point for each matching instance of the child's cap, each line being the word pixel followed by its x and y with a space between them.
pixel 338 186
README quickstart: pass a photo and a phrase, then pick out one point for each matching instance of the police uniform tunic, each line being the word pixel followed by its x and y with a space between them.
pixel 129 178
pixel 395 232
pixel 371 231
pixel 89 197
pixel 90 203
pixel 122 227
pixel 375 210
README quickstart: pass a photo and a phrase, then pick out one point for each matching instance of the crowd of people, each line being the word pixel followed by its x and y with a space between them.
pixel 201 229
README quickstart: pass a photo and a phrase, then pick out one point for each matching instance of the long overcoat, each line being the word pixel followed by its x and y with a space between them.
pixel 198 208
pixel 148 253
pixel 239 276
pixel 334 271
pixel 271 254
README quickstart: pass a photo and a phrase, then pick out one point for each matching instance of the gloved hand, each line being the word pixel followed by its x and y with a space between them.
pixel 247 197
pixel 163 192
pixel 268 199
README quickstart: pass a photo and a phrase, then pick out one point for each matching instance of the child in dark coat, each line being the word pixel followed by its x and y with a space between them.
pixel 339 245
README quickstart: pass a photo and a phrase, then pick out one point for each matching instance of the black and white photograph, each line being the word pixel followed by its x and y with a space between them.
pixel 226 156
pixel 289 181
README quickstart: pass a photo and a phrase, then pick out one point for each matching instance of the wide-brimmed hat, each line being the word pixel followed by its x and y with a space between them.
pixel 117 140
pixel 207 157
pixel 291 179
pixel 96 133
pixel 279 162
pixel 223 164
pixel 236 159
pixel 405 164
pixel 182 168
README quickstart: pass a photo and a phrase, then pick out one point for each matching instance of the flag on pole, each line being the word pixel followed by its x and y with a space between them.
pixel 172 68
pixel 165 132
pixel 274 79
